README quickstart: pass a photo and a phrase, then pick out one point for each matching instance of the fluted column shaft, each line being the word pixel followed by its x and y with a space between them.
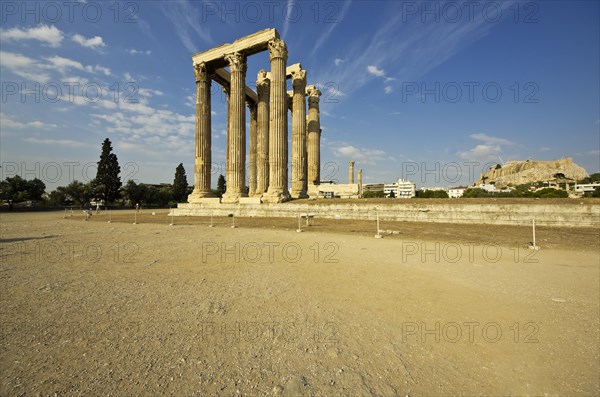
pixel 360 182
pixel 263 88
pixel 253 144
pixel 202 155
pixel 299 155
pixel 278 144
pixel 314 137
pixel 236 133
pixel 351 172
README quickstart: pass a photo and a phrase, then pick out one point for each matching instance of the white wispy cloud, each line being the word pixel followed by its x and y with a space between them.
pixel 360 155
pixel 338 20
pixel 63 65
pixel 93 42
pixel 489 150
pixel 409 49
pixel 544 149
pixel 7 122
pixel 288 16
pixel 24 66
pixel 133 51
pixel 338 61
pixel 188 24
pixel 375 71
pixel 54 142
pixel 491 140
pixel 50 35
pixel 148 92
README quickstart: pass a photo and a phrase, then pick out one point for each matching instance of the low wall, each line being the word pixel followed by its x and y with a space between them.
pixel 586 214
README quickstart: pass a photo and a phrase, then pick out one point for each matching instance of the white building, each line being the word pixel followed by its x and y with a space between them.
pixel 433 189
pixel 456 192
pixel 488 187
pixel 586 187
pixel 402 189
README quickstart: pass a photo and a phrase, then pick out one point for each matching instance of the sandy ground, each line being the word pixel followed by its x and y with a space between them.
pixel 98 308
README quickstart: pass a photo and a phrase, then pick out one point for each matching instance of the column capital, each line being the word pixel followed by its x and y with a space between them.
pixel 313 91
pixel 299 80
pixel 262 81
pixel 201 73
pixel 237 62
pixel 278 49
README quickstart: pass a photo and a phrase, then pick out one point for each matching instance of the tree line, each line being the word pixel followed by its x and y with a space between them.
pixel 105 188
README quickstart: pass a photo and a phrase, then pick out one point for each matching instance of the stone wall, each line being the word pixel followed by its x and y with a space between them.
pixel 586 214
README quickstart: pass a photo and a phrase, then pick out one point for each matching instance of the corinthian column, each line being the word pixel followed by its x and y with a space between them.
pixel 351 172
pixel 278 145
pixel 263 87
pixel 314 140
pixel 253 144
pixel 236 132
pixel 202 157
pixel 299 164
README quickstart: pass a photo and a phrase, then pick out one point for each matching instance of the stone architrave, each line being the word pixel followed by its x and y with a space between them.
pixel 236 131
pixel 299 151
pixel 263 87
pixel 314 140
pixel 253 143
pixel 202 158
pixel 278 144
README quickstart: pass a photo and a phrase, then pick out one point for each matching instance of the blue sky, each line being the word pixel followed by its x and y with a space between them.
pixel 431 91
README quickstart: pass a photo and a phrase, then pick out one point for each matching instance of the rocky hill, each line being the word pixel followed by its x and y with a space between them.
pixel 528 171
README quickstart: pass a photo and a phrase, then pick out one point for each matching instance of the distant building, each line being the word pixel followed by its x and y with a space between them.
pixel 433 189
pixel 401 189
pixel 456 192
pixel 586 187
pixel 373 187
pixel 488 187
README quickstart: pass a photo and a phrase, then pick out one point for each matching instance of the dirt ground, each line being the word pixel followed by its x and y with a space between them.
pixel 120 309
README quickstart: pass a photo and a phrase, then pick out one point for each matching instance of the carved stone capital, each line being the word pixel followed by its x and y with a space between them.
pixel 299 80
pixel 237 62
pixel 313 95
pixel 313 91
pixel 201 72
pixel 278 49
pixel 263 83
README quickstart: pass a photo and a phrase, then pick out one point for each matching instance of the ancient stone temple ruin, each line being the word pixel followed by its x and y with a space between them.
pixel 268 138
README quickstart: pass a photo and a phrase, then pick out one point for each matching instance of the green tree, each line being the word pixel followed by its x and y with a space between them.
pixel 591 179
pixel 373 194
pixel 180 185
pixel 475 192
pixel 57 197
pixel 432 194
pixel 221 185
pixel 17 189
pixel 35 189
pixel 165 194
pixel 134 193
pixel 108 181
pixel 151 196
pixel 392 194
pixel 80 192
pixel 550 193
